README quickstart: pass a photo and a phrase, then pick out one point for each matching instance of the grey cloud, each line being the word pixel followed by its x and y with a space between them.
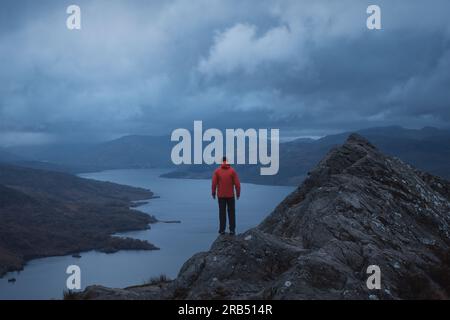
pixel 152 66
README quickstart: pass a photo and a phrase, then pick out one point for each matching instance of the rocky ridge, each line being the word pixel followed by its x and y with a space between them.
pixel 357 208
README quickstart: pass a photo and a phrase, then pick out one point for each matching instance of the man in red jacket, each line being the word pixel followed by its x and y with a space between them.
pixel 224 181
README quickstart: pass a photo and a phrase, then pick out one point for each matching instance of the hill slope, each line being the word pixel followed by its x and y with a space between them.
pixel 45 213
pixel 357 208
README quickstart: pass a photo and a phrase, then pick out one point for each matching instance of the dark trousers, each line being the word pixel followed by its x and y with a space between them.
pixel 227 205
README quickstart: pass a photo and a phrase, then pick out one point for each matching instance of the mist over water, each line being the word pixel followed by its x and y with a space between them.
pixel 180 199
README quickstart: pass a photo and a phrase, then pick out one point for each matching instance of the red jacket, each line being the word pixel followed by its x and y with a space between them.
pixel 224 179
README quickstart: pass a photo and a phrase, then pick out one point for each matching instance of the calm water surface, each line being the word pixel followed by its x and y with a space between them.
pixel 186 200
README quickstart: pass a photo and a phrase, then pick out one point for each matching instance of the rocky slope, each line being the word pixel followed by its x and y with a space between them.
pixel 357 208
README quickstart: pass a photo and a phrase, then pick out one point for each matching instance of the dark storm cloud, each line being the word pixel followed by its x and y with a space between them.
pixel 309 68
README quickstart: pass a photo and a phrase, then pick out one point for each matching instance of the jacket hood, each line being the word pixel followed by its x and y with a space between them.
pixel 225 166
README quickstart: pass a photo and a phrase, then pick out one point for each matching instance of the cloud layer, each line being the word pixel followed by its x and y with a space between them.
pixel 307 67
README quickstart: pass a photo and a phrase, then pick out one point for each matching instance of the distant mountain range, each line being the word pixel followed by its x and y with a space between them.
pixel 127 152
pixel 6 156
pixel 428 149
pixel 47 213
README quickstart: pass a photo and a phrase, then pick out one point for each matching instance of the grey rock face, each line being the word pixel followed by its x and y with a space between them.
pixel 357 208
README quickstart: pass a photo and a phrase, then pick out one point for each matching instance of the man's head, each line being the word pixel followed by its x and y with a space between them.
pixel 224 159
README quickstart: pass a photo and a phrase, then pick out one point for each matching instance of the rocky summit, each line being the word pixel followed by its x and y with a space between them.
pixel 357 208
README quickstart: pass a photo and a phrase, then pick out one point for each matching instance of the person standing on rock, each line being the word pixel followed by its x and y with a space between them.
pixel 224 181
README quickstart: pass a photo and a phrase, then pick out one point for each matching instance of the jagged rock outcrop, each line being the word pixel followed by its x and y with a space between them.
pixel 357 208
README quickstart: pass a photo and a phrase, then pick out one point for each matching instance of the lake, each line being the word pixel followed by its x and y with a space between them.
pixel 188 201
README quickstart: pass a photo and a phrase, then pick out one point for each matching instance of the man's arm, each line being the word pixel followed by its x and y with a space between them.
pixel 237 184
pixel 214 185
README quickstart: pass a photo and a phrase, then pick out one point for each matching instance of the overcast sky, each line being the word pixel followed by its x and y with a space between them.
pixel 309 68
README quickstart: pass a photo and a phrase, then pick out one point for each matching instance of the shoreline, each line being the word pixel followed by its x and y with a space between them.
pixel 143 245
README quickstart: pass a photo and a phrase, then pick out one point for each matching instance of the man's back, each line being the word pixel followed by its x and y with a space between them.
pixel 225 180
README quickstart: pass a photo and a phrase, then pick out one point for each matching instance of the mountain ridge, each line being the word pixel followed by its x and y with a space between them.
pixel 427 148
pixel 358 207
